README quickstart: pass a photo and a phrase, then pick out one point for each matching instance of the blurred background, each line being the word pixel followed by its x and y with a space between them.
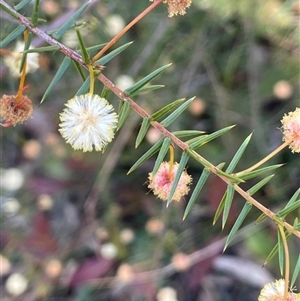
pixel 74 226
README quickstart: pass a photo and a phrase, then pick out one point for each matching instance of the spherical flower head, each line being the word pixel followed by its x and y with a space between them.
pixel 161 183
pixel 88 121
pixel 176 7
pixel 14 111
pixel 14 58
pixel 274 291
pixel 291 130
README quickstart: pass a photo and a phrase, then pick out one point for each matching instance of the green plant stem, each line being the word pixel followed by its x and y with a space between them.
pixel 287 262
pixel 125 29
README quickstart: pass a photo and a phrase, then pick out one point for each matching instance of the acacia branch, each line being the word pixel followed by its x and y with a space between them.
pixel 141 112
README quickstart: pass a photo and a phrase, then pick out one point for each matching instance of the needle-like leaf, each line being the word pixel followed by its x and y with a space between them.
pixel 147 89
pixel 154 149
pixel 201 182
pixel 84 87
pixel 83 50
pixel 12 36
pixel 61 70
pixel 288 209
pixel 166 109
pixel 143 131
pixel 227 205
pixel 105 59
pixel 220 208
pixel 140 84
pixel 70 22
pixel 161 155
pixel 167 121
pixel 280 252
pixel 246 209
pixel 258 172
pixel 296 272
pixel 207 138
pixel 123 114
pixel 183 161
pixel 35 13
pixel 238 155
pixel 21 4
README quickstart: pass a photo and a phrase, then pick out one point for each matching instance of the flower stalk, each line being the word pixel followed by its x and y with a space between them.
pixel 287 261
pixel 264 160
pixel 23 73
pixel 92 79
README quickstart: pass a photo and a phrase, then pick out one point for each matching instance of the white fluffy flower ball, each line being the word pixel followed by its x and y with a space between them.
pixel 13 60
pixel 88 121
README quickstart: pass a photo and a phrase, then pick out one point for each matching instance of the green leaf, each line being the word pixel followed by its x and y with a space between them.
pixel 227 205
pixel 246 209
pixel 296 272
pixel 272 254
pixel 78 68
pixel 183 161
pixel 161 155
pixel 187 133
pixel 84 87
pixel 296 225
pixel 123 114
pixel 220 208
pixel 293 198
pixel 43 49
pixel 35 13
pixel 105 59
pixel 221 165
pixel 83 50
pixel 260 218
pixel 260 184
pixel 287 209
pixel 105 92
pixel 21 4
pixel 12 36
pixel 196 192
pixel 140 84
pixel 232 177
pixel 258 172
pixel 166 109
pixel 280 252
pixel 147 89
pixel 167 121
pixel 275 250
pixel 238 155
pixel 95 48
pixel 207 138
pixel 70 22
pixel 154 149
pixel 143 131
pixel 78 24
pixel 61 70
